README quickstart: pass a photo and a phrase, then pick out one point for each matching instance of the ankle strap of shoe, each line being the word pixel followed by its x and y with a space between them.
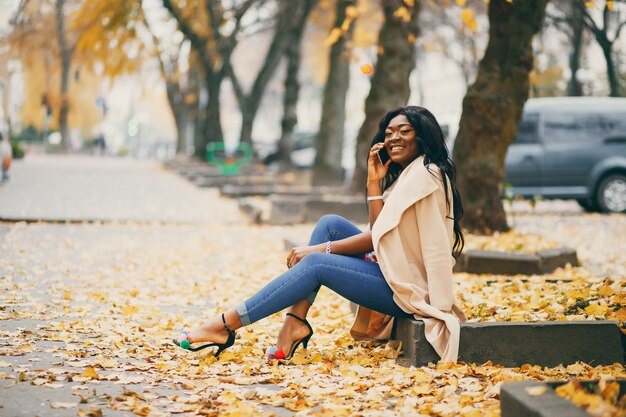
pixel 226 325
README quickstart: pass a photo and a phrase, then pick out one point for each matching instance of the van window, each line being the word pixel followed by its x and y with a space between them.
pixel 528 131
pixel 580 127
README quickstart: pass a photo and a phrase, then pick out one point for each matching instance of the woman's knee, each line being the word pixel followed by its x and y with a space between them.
pixel 330 221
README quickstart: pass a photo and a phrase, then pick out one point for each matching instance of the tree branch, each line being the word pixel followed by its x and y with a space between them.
pixel 197 42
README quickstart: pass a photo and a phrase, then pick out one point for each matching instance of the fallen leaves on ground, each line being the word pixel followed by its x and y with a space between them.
pixel 600 399
pixel 107 299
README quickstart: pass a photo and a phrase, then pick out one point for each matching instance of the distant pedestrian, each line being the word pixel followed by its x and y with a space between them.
pixel 100 144
pixel 402 267
pixel 6 157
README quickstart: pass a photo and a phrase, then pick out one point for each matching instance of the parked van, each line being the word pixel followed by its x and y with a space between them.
pixel 571 147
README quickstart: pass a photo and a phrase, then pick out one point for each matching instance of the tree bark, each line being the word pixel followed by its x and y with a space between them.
pixel 492 109
pixel 390 83
pixel 292 85
pixel 66 63
pixel 574 87
pixel 329 142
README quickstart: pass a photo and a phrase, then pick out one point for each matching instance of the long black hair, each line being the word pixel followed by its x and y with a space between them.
pixel 431 144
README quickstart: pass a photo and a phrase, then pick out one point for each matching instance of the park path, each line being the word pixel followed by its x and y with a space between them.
pixel 80 187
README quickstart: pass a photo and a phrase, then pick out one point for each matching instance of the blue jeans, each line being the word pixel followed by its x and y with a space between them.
pixel 352 277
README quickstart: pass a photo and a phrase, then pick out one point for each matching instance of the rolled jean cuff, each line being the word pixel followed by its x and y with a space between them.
pixel 311 297
pixel 242 311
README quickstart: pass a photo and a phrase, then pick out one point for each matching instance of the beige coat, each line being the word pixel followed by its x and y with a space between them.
pixel 413 238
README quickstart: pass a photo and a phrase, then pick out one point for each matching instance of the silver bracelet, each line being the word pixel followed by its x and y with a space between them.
pixel 375 197
pixel 328 246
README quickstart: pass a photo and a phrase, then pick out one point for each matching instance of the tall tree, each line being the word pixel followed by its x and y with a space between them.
pixel 606 34
pixel 390 82
pixel 492 109
pixel 329 142
pixel 212 31
pixel 292 85
pixel 66 50
pixel 288 13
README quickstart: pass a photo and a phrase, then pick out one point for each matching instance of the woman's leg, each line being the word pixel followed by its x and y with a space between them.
pixel 329 227
pixel 357 280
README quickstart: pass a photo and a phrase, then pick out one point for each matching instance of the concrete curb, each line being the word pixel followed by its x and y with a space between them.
pixel 491 262
pixel 516 402
pixel 513 344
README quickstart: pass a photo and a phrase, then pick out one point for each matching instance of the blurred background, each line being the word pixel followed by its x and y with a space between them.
pixel 159 78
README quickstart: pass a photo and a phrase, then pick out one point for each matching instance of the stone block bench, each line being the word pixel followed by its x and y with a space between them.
pixel 492 262
pixel 513 344
pixel 515 401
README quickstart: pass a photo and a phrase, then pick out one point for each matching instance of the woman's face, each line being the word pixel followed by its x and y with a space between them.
pixel 400 141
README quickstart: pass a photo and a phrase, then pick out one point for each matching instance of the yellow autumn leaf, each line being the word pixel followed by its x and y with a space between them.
pixel 333 36
pixel 468 18
pixel 596 309
pixel 90 373
pixel 589 4
pixel 403 14
pixel 461 3
pixel 609 4
pixel 130 310
pixel 537 390
pixel 67 296
pixel 605 291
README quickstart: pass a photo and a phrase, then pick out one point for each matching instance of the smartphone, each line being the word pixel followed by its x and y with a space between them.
pixel 383 156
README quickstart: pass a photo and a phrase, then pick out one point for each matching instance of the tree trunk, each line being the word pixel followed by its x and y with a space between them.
pixel 390 83
pixel 211 117
pixel 329 142
pixel 607 49
pixel 66 61
pixel 574 87
pixel 292 86
pixel 175 98
pixel 492 109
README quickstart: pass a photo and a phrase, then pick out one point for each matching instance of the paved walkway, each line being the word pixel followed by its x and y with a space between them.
pixel 76 188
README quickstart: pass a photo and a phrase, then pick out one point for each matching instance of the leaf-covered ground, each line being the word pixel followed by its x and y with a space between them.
pixel 87 312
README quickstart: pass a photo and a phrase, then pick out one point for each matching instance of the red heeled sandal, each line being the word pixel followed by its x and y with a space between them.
pixel 273 352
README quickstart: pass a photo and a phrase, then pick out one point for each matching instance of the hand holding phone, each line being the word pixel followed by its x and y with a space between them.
pixel 383 156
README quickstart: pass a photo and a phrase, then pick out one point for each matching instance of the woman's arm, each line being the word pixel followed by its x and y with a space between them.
pixel 352 245
pixel 375 173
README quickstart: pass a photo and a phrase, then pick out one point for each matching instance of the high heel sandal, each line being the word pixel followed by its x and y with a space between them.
pixel 273 352
pixel 183 341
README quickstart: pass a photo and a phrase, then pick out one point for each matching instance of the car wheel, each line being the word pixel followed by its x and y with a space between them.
pixel 587 204
pixel 611 194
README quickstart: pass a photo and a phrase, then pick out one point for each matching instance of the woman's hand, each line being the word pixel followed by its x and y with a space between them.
pixel 300 252
pixel 375 170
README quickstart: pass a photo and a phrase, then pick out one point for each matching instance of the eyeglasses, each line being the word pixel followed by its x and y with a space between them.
pixel 405 132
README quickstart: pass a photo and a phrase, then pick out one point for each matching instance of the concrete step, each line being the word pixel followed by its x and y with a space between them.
pixel 513 344
pixel 492 262
pixel 515 400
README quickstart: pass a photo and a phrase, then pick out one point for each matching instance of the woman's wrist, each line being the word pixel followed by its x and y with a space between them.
pixel 373 188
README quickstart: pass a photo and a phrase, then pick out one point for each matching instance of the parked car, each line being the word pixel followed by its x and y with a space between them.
pixel 571 147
